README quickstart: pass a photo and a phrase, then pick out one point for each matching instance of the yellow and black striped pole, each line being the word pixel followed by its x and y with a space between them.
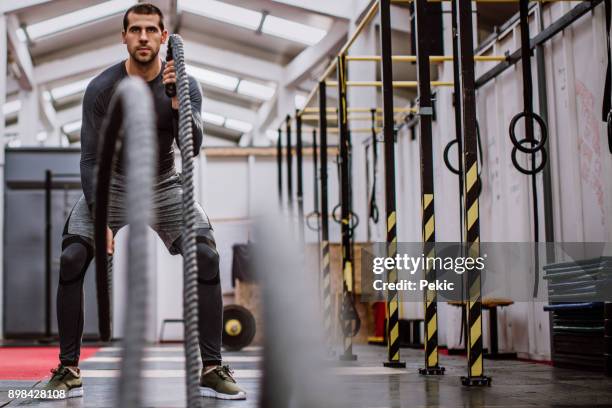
pixel 423 32
pixel 327 302
pixel 471 191
pixel 347 315
pixel 393 343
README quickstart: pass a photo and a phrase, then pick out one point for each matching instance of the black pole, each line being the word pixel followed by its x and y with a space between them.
pixel 475 374
pixel 345 192
pixel 48 230
pixel 315 166
pixel 300 186
pixel 289 166
pixel 279 163
pixel 393 341
pixel 457 102
pixel 327 302
pixel 424 35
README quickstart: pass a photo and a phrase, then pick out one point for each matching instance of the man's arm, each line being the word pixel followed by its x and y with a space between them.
pixel 195 93
pixel 93 115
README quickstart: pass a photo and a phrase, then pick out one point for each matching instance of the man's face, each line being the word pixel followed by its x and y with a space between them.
pixel 143 37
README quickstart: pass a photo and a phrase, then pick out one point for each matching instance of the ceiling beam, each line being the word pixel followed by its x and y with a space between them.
pixel 229 110
pixel 239 64
pixel 11 7
pixel 302 65
pixel 79 64
pixel 336 9
pixel 21 55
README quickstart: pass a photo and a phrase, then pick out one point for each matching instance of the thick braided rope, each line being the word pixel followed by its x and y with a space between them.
pixel 190 268
pixel 131 105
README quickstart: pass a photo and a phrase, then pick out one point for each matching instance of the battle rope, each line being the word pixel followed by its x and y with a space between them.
pixel 374 213
pixel 534 146
pixel 130 109
pixel 188 243
pixel 606 114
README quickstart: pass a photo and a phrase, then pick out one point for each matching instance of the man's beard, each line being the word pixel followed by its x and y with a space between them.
pixel 144 61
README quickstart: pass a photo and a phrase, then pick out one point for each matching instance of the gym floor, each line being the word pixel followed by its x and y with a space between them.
pixel 367 383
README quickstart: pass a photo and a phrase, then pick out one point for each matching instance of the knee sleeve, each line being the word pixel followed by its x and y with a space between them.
pixel 208 261
pixel 77 253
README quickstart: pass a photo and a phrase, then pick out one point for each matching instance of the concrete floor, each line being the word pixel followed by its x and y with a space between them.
pixel 367 383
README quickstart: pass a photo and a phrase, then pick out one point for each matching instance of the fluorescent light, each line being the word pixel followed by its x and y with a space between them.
pixel 213 118
pixel 70 89
pixel 238 125
pixel 224 12
pixel 213 78
pixel 76 18
pixel 11 107
pixel 72 126
pixel 299 101
pixel 256 90
pixel 290 30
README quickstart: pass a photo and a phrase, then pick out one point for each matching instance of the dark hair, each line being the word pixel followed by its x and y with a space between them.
pixel 143 8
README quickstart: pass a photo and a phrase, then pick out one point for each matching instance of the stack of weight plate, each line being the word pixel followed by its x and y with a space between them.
pixel 576 294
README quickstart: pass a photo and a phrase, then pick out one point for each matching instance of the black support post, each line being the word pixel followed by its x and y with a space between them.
pixel 345 204
pixel 289 168
pixel 475 375
pixel 327 311
pixel 300 180
pixel 279 165
pixel 393 343
pixel 423 36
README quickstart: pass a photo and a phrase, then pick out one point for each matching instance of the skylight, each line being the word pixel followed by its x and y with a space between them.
pixel 224 12
pixel 256 90
pixel 72 126
pixel 213 78
pixel 11 107
pixel 76 18
pixel 70 89
pixel 213 118
pixel 251 19
pixel 238 125
pixel 290 30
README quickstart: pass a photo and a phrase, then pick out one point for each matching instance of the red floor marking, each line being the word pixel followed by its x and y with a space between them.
pixel 33 363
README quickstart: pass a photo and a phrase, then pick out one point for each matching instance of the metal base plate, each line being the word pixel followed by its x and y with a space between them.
pixel 432 371
pixel 394 364
pixel 476 381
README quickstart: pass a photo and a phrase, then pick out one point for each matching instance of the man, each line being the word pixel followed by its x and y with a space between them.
pixel 143 33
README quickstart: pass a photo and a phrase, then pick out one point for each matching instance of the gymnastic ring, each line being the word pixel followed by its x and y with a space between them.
pixel 543 130
pixel 316 215
pixel 526 171
pixel 447 159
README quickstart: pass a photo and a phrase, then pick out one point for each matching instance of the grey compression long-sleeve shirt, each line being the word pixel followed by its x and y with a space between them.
pixel 95 105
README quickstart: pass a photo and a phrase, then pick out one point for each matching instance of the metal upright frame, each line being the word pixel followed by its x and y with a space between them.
pixel 393 343
pixel 475 374
pixel 423 35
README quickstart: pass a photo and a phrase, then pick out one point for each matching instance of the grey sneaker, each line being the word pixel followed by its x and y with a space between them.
pixel 64 383
pixel 220 384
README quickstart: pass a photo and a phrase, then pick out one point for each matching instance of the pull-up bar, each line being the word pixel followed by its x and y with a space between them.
pixel 396 84
pixel 432 58
pixel 361 110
